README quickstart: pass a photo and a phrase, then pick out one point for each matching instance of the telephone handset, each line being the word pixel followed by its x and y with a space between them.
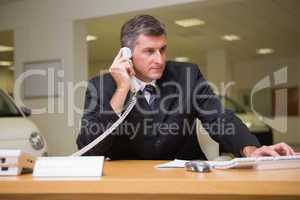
pixel 126 53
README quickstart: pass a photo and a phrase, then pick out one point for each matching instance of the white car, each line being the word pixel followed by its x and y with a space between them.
pixel 17 131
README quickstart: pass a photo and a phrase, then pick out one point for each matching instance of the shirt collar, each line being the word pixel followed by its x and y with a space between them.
pixel 143 83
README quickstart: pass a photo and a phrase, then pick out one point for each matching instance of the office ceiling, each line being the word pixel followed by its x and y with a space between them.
pixel 4 2
pixel 260 24
pixel 267 23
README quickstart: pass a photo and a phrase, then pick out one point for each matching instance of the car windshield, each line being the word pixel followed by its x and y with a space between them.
pixel 232 105
pixel 7 106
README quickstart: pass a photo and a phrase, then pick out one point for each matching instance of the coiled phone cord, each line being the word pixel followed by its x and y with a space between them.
pixel 109 130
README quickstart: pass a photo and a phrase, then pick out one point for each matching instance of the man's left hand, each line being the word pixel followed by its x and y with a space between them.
pixel 280 149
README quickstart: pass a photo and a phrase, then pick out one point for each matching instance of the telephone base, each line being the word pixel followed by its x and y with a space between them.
pixel 14 162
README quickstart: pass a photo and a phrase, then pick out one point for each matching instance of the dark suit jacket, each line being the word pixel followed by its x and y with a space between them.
pixel 170 131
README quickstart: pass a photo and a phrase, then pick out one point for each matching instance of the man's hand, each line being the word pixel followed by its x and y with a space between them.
pixel 280 149
pixel 121 71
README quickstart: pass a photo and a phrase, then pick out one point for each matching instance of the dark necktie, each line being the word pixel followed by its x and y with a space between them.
pixel 153 95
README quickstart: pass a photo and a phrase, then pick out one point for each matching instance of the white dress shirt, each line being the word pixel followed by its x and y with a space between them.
pixel 142 85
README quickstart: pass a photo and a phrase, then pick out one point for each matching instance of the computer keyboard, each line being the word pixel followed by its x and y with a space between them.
pixel 280 162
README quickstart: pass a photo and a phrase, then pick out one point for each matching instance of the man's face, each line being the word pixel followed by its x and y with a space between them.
pixel 149 57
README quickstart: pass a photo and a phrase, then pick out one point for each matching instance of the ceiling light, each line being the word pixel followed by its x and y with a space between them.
pixel 5 63
pixel 4 48
pixel 264 51
pixel 182 59
pixel 230 37
pixel 190 22
pixel 91 38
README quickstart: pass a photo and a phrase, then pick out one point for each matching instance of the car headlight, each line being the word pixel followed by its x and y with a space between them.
pixel 36 141
pixel 248 124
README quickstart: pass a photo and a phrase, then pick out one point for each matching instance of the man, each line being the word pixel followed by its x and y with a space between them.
pixel 171 96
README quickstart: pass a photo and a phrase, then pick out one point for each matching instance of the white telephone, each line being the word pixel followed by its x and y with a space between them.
pixel 126 53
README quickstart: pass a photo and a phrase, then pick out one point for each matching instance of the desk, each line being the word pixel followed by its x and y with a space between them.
pixel 140 180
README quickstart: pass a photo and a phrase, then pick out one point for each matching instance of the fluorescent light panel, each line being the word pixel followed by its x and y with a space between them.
pixel 91 38
pixel 5 63
pixel 4 48
pixel 182 59
pixel 230 37
pixel 189 22
pixel 264 51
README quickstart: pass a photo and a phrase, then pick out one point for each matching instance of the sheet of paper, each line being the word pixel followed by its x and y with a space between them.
pixel 173 164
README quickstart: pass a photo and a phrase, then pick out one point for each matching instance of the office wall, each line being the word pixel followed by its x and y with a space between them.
pixel 6 77
pixel 257 69
pixel 247 74
pixel 98 68
pixel 46 30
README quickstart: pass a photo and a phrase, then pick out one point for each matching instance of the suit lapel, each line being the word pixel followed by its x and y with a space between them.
pixel 166 97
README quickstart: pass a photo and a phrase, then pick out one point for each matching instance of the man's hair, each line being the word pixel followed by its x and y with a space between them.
pixel 140 24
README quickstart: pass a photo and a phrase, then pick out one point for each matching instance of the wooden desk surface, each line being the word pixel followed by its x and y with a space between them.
pixel 140 180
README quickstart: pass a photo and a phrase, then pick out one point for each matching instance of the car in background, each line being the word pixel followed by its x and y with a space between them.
pixel 256 126
pixel 17 131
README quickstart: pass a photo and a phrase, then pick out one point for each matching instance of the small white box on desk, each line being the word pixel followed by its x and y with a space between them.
pixel 69 167
pixel 14 161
